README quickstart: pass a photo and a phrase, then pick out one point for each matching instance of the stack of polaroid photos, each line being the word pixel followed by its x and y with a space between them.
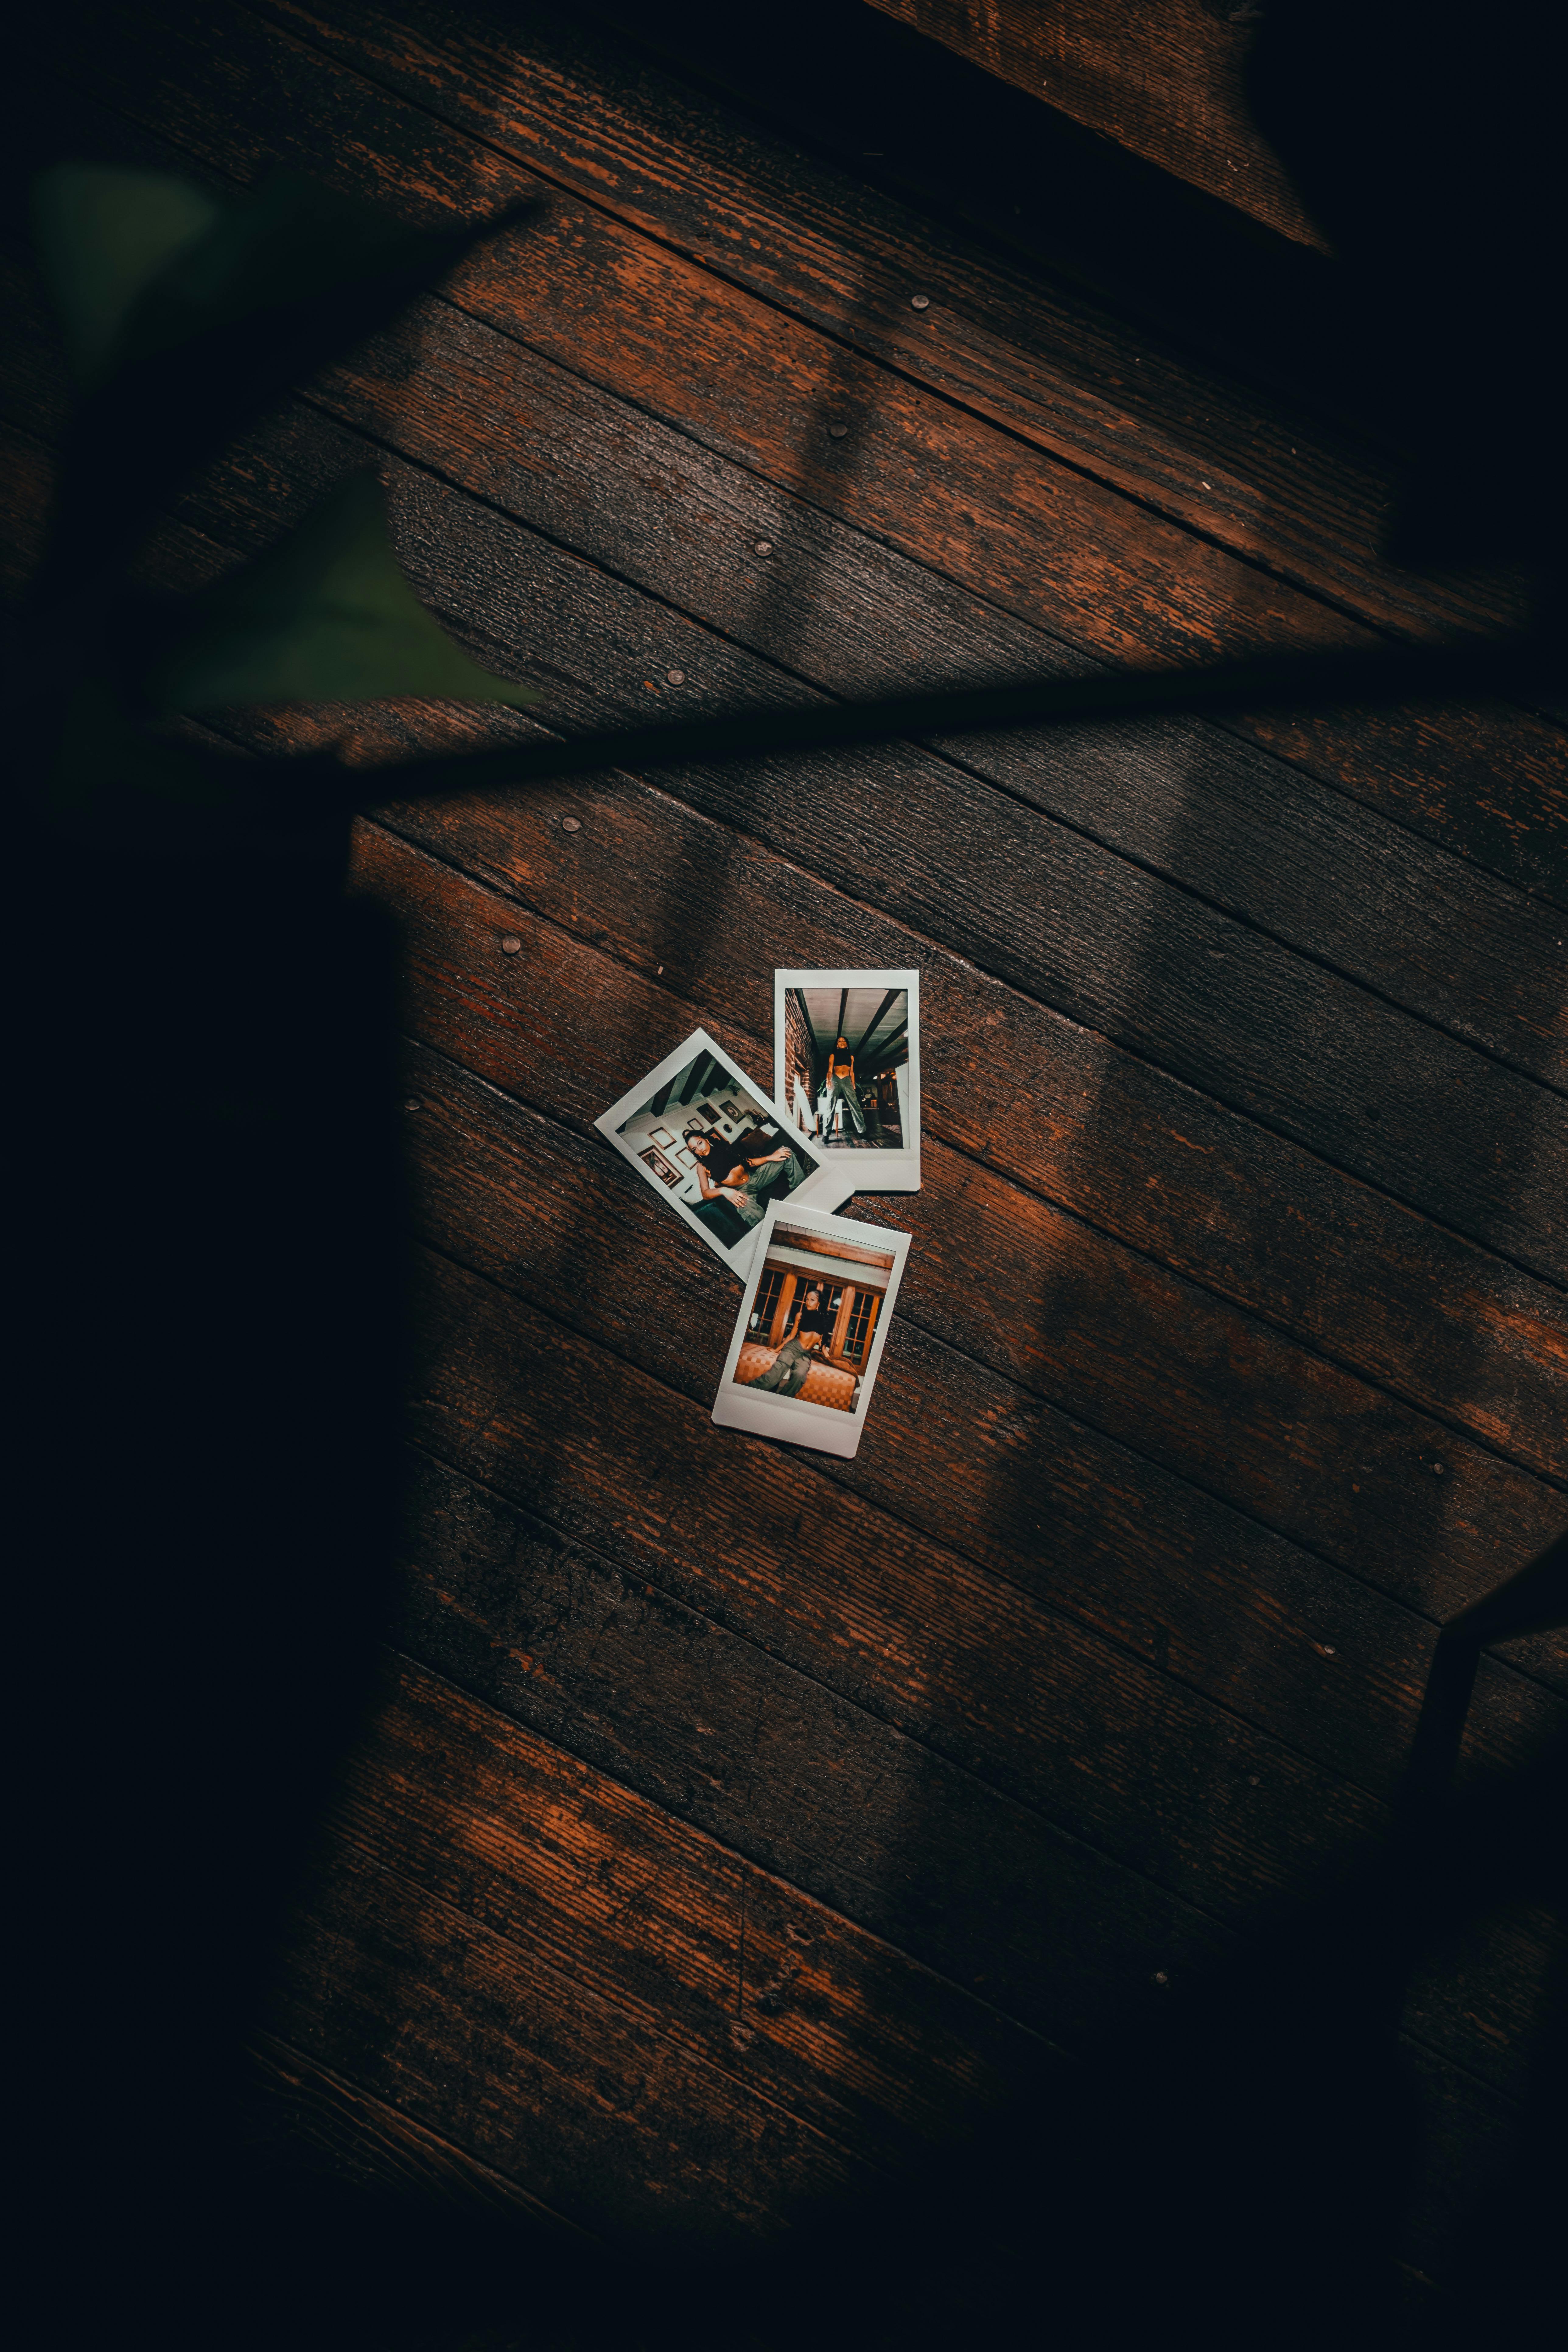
pixel 759 1175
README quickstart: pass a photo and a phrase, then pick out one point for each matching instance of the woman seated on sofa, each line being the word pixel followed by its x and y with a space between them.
pixel 744 1174
pixel 809 1338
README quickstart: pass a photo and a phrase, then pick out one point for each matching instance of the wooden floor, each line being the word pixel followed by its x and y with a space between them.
pixel 738 1832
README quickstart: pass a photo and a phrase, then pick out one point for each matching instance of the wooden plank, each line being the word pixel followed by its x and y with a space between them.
pixel 1023 1487
pixel 1095 1131
pixel 1164 80
pixel 994 1679
pixel 574 894
pixel 1437 1321
pixel 1041 540
pixel 719 1731
pixel 303 2116
pixel 1223 1006
pixel 831 250
pixel 1275 485
pixel 553 2086
pixel 481 2040
pixel 1183 800
pixel 675 1931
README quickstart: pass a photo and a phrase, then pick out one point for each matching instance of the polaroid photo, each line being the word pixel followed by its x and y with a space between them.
pixel 808 1341
pixel 846 1067
pixel 718 1149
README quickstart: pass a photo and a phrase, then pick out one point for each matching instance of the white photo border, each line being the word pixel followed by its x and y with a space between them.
pixel 822 1428
pixel 828 1188
pixel 874 1172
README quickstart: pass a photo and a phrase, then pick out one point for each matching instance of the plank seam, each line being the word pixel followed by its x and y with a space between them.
pixel 949 760
pixel 527 1513
pixel 263 2041
pixel 1048 1609
pixel 712 265
pixel 1551 716
pixel 575 1991
pixel 709 1837
pixel 516 896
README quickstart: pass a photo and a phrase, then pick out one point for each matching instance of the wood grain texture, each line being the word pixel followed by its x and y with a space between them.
pixel 1093 1131
pixel 719 1730
pixel 479 2039
pixel 1163 77
pixel 1047 543
pixel 1023 1487
pixel 739 1831
pixel 301 2115
pixel 1220 1005
pixel 994 1679
pixel 730 1964
pixel 1182 800
pixel 829 248
pixel 588 1652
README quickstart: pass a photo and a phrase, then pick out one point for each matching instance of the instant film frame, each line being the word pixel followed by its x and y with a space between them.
pixel 865 1264
pixel 700 1085
pixel 873 1126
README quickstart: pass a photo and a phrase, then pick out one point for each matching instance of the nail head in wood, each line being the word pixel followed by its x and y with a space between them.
pixel 920 301
pixel 836 431
pixel 764 547
pixel 676 676
pixel 412 1103
pixel 512 944
pixel 571 824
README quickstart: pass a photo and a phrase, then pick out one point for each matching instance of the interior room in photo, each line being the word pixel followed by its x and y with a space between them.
pixel 848 1060
pixel 704 1100
pixel 847 1283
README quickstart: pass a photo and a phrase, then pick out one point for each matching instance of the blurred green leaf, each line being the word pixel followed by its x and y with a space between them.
pixel 326 617
pixel 189 316
pixel 103 236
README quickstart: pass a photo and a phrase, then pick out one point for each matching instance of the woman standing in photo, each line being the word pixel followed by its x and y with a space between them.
pixel 841 1087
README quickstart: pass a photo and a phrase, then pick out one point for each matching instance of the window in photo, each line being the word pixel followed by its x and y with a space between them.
pixel 769 1293
pixel 858 1325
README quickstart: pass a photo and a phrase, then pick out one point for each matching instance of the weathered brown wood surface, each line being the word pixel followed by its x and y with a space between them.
pixel 735 1833
pixel 1163 77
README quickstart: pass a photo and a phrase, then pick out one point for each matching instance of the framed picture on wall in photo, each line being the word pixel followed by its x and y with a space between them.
pixel 724 1190
pixel 847 1069
pixel 808 1341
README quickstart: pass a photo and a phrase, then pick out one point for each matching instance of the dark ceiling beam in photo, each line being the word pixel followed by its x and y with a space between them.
pixel 657 1104
pixel 870 1030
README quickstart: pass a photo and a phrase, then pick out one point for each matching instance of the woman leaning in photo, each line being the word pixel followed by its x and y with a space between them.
pixel 747 1172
